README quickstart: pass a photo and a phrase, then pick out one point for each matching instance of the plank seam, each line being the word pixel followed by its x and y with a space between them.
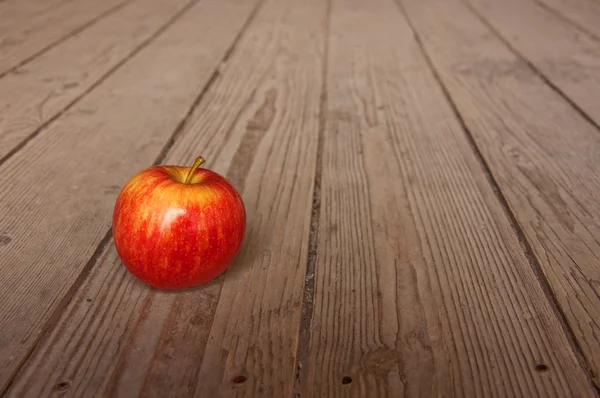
pixel 306 314
pixel 534 68
pixel 102 246
pixel 100 80
pixel 61 40
pixel 568 20
pixel 524 243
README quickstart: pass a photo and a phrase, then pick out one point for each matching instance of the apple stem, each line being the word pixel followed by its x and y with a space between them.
pixel 197 163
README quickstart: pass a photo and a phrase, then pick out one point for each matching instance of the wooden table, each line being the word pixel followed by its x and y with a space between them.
pixel 421 177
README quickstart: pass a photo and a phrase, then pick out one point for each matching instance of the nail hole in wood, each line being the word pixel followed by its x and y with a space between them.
pixel 62 386
pixel 347 380
pixel 239 379
pixel 541 367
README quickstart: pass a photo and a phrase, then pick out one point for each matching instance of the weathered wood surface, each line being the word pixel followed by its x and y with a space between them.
pixel 29 33
pixel 14 13
pixel 564 55
pixel 584 14
pixel 420 283
pixel 57 192
pixel 127 340
pixel 38 92
pixel 543 155
pixel 422 213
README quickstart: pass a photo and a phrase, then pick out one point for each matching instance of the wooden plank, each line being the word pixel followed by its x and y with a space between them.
pixel 13 13
pixel 58 192
pixel 565 56
pixel 39 92
pixel 421 286
pixel 584 14
pixel 542 154
pixel 258 125
pixel 27 38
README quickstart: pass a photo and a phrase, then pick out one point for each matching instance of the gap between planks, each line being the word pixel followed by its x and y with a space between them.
pixel 302 352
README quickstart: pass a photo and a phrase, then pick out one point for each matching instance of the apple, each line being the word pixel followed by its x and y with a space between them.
pixel 177 227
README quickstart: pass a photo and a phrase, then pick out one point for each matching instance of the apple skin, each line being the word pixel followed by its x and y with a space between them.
pixel 173 234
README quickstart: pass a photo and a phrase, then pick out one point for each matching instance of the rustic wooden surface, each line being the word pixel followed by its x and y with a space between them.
pixel 70 198
pixel 543 155
pixel 33 33
pixel 557 50
pixel 420 176
pixel 39 91
pixel 584 14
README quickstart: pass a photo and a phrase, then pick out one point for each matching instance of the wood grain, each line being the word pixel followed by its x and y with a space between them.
pixel 32 33
pixel 543 155
pixel 584 14
pixel 569 59
pixel 40 91
pixel 257 125
pixel 19 12
pixel 421 286
pixel 58 192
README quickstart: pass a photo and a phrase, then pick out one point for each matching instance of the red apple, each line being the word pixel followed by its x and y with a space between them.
pixel 177 227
